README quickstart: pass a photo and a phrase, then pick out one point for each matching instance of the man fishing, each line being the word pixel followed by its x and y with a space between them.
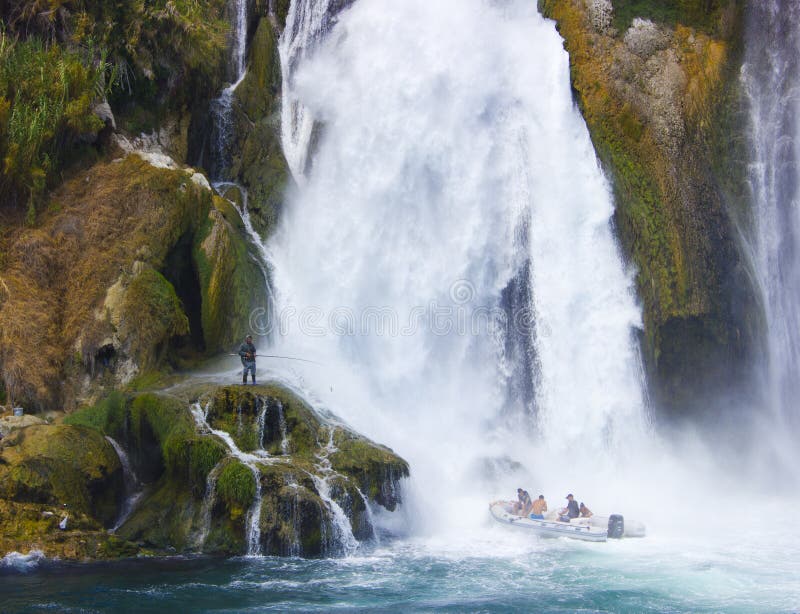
pixel 247 352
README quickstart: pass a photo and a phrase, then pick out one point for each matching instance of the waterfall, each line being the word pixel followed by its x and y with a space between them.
pixel 282 427
pixel 222 106
pixel 453 165
pixel 307 24
pixel 342 537
pixel 209 499
pixel 133 486
pixel 771 77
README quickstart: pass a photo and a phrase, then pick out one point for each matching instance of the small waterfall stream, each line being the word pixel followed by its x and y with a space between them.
pixel 342 537
pixel 222 106
pixel 251 461
pixel 133 486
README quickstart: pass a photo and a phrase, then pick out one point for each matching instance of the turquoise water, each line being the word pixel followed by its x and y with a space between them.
pixel 523 574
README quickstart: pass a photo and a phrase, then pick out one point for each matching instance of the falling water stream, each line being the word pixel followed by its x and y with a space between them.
pixel 771 76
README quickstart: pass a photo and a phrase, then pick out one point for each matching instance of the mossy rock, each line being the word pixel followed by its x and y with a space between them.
pixel 62 464
pixel 179 511
pixel 292 513
pixel 33 526
pixel 165 519
pixel 260 165
pixel 109 415
pixel 91 279
pixel 232 283
pixel 235 409
pixel 376 469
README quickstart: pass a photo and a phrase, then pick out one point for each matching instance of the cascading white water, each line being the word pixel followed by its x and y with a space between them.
pixel 251 461
pixel 307 24
pixel 450 156
pixel 222 106
pixel 133 486
pixel 771 76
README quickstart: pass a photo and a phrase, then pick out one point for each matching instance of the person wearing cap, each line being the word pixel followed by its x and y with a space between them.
pixel 571 511
pixel 247 352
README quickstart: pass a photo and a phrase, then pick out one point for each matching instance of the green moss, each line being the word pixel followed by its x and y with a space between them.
pixel 261 166
pixel 701 14
pixel 153 314
pixel 107 416
pixel 204 454
pixel 236 487
pixel 164 518
pixel 59 464
pixel 374 468
pixel 117 548
pixel 281 11
pixel 231 282
pixel 161 428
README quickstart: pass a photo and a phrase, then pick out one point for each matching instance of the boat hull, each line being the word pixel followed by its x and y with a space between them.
pixel 549 528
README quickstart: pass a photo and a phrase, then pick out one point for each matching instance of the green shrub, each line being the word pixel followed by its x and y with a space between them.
pixel 236 486
pixel 106 416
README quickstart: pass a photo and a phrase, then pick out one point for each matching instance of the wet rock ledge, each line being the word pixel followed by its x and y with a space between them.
pixel 223 470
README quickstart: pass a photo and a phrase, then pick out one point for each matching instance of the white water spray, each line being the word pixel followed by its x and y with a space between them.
pixel 451 155
pixel 307 24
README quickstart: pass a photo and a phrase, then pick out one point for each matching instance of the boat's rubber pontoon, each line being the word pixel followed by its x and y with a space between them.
pixel 594 529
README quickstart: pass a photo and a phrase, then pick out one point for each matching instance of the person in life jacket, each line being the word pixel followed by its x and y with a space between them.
pixel 247 352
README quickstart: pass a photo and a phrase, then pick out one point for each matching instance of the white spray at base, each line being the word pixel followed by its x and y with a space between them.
pixel 449 154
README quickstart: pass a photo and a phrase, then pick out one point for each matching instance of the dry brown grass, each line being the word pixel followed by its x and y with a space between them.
pixel 56 276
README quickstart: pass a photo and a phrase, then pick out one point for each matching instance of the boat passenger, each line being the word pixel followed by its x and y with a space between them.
pixel 523 503
pixel 538 508
pixel 569 512
pixel 585 511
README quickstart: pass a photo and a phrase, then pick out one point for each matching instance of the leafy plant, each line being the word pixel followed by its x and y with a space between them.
pixel 46 98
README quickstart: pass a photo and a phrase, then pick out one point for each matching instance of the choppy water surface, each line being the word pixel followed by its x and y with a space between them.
pixel 724 572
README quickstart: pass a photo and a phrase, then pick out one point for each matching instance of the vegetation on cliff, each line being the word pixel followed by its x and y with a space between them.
pixel 658 97
pixel 59 59
pixel 131 269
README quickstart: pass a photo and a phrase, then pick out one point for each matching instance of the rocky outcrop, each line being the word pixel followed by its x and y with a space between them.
pixel 313 474
pixel 660 99
pixel 60 486
pixel 259 164
pixel 134 262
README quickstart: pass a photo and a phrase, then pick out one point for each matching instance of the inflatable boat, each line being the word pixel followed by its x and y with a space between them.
pixel 594 529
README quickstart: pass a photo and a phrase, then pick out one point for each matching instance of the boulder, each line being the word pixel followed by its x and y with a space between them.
pixel 62 465
pixel 13 423
pixel 202 499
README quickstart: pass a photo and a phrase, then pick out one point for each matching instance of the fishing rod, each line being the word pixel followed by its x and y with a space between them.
pixel 313 362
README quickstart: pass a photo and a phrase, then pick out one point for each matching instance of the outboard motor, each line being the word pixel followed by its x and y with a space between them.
pixel 616 526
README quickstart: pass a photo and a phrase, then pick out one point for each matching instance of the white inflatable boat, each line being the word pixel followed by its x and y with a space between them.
pixel 594 529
